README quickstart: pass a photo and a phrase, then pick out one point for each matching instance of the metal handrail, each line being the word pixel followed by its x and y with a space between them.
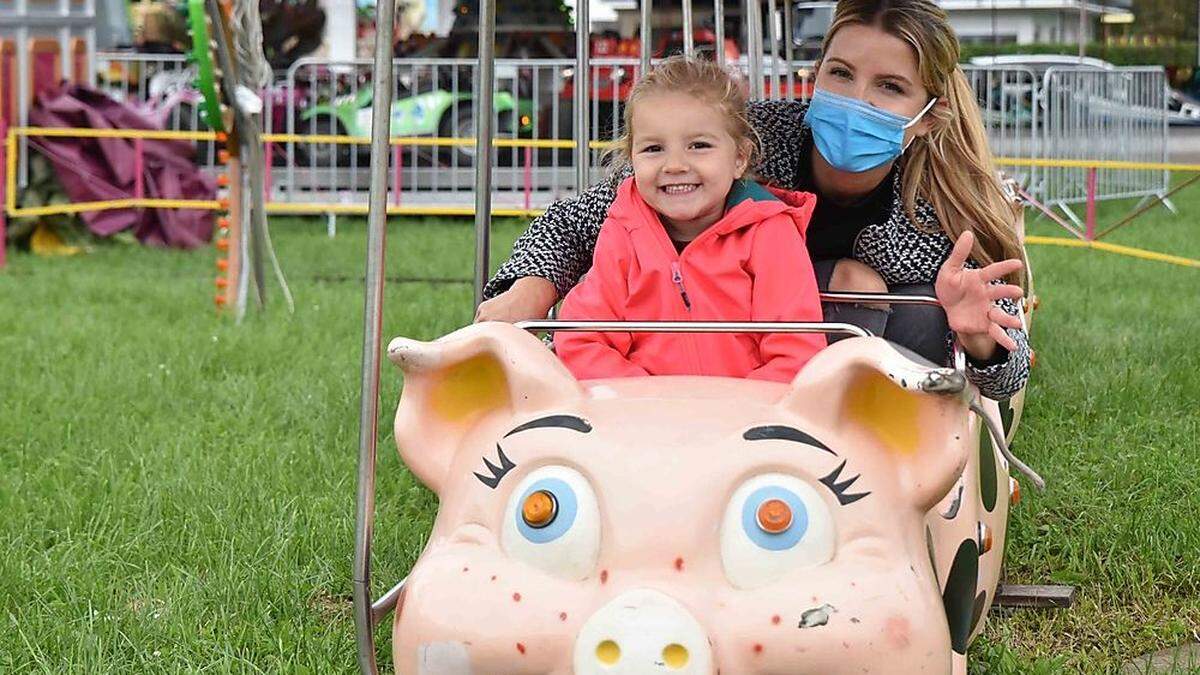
pixel 693 327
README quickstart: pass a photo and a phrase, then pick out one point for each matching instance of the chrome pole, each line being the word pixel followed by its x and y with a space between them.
pixel 646 32
pixel 372 343
pixel 719 14
pixel 788 55
pixel 583 85
pixel 773 32
pixel 689 42
pixel 755 45
pixel 485 78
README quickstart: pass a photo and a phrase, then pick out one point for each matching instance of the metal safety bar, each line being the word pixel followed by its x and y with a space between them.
pixel 693 327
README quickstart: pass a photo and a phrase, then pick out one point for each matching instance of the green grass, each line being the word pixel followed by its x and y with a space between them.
pixel 176 492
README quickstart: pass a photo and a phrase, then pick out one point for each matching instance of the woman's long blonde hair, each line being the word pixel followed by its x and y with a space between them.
pixel 951 166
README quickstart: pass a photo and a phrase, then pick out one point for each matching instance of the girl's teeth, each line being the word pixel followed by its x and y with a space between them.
pixel 678 189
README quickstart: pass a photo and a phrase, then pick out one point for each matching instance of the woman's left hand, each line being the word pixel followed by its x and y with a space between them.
pixel 968 296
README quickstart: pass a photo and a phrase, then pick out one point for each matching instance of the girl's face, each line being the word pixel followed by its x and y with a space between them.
pixel 874 66
pixel 684 161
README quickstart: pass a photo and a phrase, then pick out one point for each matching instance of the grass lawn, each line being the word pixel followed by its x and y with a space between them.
pixel 176 492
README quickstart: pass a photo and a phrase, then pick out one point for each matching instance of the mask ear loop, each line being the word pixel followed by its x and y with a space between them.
pixel 916 119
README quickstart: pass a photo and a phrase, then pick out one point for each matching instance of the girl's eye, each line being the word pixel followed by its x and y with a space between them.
pixel 893 87
pixel 701 144
pixel 651 148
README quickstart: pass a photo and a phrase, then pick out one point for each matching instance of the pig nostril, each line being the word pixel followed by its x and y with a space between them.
pixel 675 656
pixel 608 652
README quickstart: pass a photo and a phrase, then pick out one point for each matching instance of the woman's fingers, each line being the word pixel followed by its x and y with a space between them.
pixel 961 251
pixel 1004 319
pixel 1000 291
pixel 999 270
pixel 1002 338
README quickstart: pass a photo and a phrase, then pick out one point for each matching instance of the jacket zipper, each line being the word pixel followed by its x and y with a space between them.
pixel 677 278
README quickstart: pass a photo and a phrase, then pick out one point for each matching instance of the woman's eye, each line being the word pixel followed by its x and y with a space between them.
pixel 893 87
pixel 840 72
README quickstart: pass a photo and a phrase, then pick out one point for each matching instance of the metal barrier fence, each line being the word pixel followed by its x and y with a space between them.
pixel 1063 113
pixel 1097 115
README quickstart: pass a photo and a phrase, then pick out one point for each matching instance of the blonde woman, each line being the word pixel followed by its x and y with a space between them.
pixel 908 199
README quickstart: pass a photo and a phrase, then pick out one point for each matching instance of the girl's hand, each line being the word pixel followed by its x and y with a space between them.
pixel 528 298
pixel 967 296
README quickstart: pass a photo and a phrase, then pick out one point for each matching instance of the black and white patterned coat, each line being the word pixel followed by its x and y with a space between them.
pixel 558 244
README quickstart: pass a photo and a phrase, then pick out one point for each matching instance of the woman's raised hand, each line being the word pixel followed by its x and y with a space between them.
pixel 527 299
pixel 968 296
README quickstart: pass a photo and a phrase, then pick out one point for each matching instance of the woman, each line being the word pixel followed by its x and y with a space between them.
pixel 908 199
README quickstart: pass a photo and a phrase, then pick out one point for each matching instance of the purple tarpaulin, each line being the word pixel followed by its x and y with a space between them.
pixel 97 169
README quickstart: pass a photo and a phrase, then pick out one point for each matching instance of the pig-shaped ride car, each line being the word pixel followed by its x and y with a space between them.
pixel 850 522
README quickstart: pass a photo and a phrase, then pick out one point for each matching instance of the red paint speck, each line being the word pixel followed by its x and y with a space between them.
pixel 775 620
pixel 521 648
pixel 604 576
pixel 757 649
pixel 679 564
pixel 466 569
pixel 562 616
pixel 493 577
pixel 516 597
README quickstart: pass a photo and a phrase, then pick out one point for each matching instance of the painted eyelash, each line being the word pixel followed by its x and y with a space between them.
pixel 498 472
pixel 839 489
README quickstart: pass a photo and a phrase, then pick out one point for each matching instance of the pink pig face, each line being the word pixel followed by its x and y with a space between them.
pixel 674 525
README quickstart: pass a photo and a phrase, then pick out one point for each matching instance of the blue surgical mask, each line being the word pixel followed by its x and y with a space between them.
pixel 853 135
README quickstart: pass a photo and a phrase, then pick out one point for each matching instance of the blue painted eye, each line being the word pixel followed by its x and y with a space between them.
pixel 563 506
pixel 774 518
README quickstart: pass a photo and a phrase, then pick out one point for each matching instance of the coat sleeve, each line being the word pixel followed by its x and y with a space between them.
pixel 601 296
pixel 785 289
pixel 558 244
pixel 779 127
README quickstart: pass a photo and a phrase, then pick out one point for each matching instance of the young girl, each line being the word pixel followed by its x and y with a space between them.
pixel 689 239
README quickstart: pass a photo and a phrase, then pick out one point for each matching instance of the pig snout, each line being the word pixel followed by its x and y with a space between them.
pixel 642 631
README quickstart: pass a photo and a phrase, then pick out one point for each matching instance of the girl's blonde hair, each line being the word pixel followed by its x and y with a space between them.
pixel 700 79
pixel 951 166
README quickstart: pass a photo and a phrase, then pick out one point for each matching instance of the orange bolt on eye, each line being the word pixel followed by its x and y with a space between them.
pixel 223 156
pixel 1032 358
pixel 774 516
pixel 223 244
pixel 222 137
pixel 539 509
pixel 222 282
pixel 985 538
pixel 1036 302
pixel 1014 492
pixel 223 204
pixel 220 300
pixel 223 264
pixel 222 180
pixel 223 222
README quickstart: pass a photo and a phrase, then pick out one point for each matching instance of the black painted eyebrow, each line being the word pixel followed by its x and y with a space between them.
pixel 784 433
pixel 561 421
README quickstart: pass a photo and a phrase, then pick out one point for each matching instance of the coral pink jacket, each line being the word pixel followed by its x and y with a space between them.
pixel 751 265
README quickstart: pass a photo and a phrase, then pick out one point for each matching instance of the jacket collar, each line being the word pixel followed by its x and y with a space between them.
pixel 748 203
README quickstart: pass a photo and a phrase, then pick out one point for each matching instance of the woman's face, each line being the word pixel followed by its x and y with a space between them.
pixel 869 64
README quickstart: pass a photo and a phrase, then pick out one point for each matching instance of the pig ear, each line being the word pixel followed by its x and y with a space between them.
pixel 481 372
pixel 880 402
